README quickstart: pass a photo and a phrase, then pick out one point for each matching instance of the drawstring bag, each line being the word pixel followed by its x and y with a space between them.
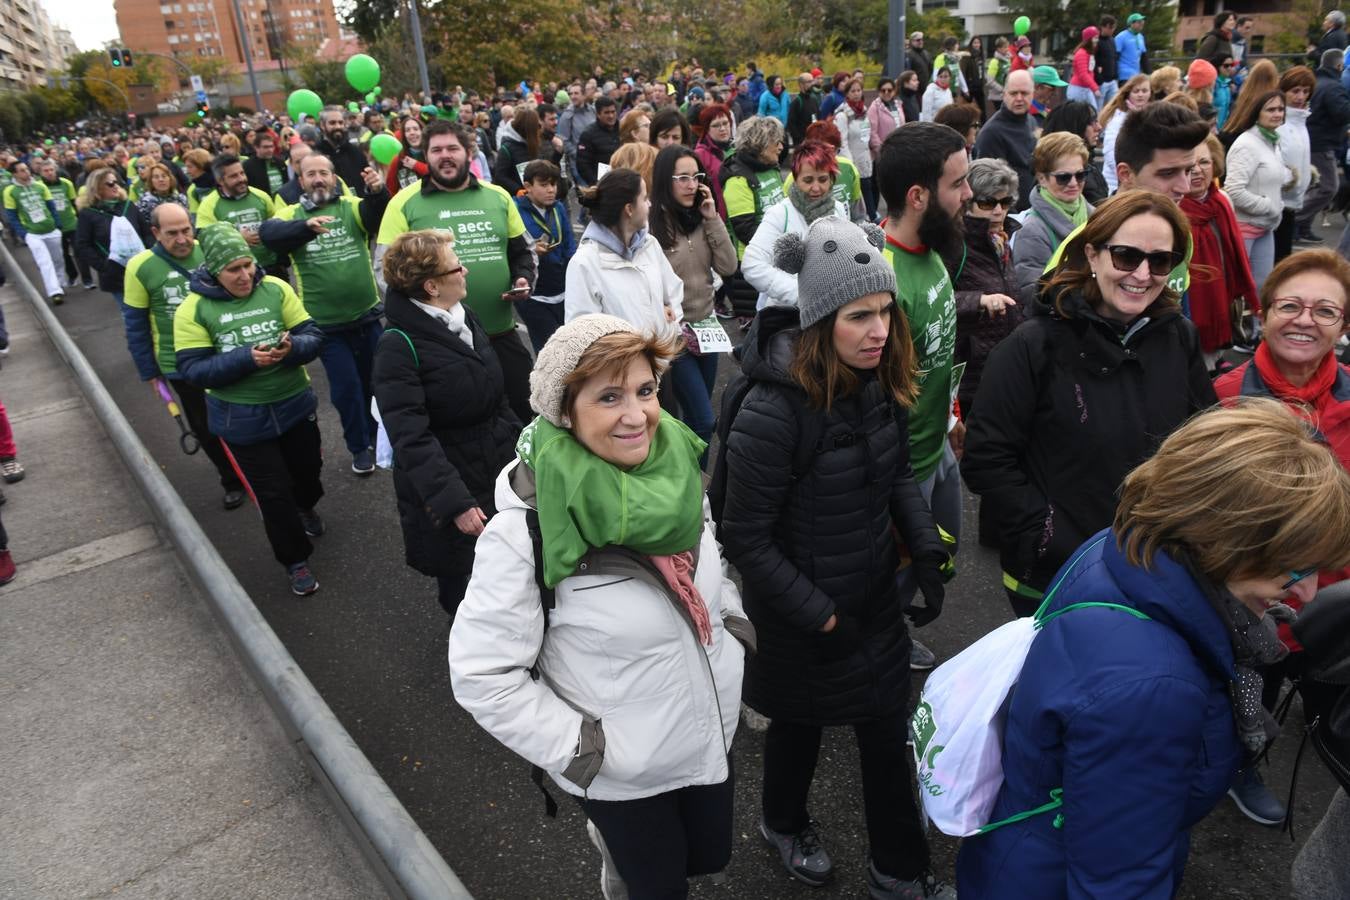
pixel 123 241
pixel 958 725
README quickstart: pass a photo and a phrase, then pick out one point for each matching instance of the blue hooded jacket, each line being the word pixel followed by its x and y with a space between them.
pixel 1131 718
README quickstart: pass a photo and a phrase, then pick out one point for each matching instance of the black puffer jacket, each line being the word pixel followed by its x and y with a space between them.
pixel 451 427
pixel 93 231
pixel 1066 408
pixel 976 272
pixel 823 544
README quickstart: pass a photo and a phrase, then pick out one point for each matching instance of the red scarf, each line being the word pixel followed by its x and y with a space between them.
pixel 1315 395
pixel 857 107
pixel 678 570
pixel 1219 268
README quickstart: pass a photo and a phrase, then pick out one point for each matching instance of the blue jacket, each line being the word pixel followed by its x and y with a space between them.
pixel 1131 718
pixel 757 85
pixel 246 423
pixel 1129 47
pixel 552 278
pixel 829 105
pixel 769 105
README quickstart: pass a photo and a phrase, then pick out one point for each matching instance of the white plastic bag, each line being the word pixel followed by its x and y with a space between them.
pixel 123 241
pixel 958 728
pixel 384 451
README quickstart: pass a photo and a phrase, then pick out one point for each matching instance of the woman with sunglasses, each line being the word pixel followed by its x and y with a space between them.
pixel 1059 163
pixel 1304 314
pixel 884 115
pixel 1103 369
pixel 1256 178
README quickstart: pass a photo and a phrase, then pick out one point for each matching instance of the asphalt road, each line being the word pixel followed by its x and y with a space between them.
pixel 373 641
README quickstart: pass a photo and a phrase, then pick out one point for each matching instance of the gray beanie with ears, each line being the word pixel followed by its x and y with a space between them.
pixel 836 262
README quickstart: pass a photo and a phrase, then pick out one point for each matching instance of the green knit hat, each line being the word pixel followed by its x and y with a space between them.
pixel 221 245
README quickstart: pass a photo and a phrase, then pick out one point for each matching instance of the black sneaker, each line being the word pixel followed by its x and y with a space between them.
pixel 303 582
pixel 233 499
pixel 801 853
pixel 313 524
pixel 884 887
pixel 89 286
pixel 1309 238
pixel 363 462
pixel 11 470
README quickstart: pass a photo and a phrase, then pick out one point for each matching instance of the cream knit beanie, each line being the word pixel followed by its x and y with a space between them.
pixel 560 356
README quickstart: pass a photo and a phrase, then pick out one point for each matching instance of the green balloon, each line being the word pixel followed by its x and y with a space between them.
pixel 370 98
pixel 303 102
pixel 48 142
pixel 1021 26
pixel 363 72
pixel 353 106
pixel 384 147
pixel 376 90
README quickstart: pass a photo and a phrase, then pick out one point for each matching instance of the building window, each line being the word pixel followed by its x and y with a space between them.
pixel 165 9
pixel 173 39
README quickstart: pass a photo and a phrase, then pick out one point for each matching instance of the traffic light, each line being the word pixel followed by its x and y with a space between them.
pixel 116 56
pixel 203 107
pixel 126 59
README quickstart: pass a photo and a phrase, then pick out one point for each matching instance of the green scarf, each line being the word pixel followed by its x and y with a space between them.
pixel 655 508
pixel 1272 136
pixel 1077 213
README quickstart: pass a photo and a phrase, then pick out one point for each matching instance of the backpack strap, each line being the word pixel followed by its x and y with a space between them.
pixel 417 363
pixel 547 599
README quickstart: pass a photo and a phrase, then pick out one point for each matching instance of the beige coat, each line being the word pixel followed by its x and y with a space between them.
pixel 694 257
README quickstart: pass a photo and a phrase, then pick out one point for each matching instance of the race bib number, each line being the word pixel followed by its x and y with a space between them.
pixel 710 336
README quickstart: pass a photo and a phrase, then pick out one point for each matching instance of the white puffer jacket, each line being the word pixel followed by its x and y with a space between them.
pixel 1255 179
pixel 1295 151
pixel 629 704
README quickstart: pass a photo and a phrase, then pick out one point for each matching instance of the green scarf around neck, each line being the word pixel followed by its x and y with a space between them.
pixel 1268 134
pixel 655 508
pixel 1077 213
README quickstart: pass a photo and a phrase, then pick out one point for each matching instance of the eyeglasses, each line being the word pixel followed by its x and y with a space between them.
pixel 1127 259
pixel 686 180
pixel 988 203
pixel 1226 66
pixel 455 271
pixel 1063 178
pixel 719 124
pixel 887 90
pixel 1296 576
pixel 1322 313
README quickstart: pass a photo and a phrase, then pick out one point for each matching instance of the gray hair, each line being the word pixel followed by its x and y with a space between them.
pixel 756 134
pixel 1332 59
pixel 1337 17
pixel 990 177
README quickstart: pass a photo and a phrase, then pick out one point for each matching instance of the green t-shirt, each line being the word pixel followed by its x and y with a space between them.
pixel 226 325
pixel 483 219
pixel 276 179
pixel 29 202
pixel 153 283
pixel 924 292
pixel 248 211
pixel 333 271
pixel 744 198
pixel 63 198
pixel 6 178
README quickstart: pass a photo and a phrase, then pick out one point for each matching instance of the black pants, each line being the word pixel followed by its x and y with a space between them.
pixel 894 829
pixel 193 401
pixel 1284 234
pixel 450 591
pixel 516 364
pixel 1023 606
pixel 72 259
pixel 658 843
pixel 283 476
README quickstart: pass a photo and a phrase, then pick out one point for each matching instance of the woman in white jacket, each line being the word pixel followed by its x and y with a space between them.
pixel 626 687
pixel 619 267
pixel 810 196
pixel 1297 86
pixel 937 95
pixel 1256 176
pixel 850 117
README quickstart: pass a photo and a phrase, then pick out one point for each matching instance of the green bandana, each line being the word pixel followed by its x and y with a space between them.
pixel 655 508
pixel 1077 213
pixel 221 245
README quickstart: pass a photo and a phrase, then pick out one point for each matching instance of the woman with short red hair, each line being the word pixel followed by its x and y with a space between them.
pixel 714 126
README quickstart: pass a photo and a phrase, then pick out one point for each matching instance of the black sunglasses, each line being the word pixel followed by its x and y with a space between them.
pixel 988 203
pixel 1065 177
pixel 1127 259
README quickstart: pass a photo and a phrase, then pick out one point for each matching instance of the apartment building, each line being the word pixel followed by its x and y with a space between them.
pixel 206 28
pixel 30 48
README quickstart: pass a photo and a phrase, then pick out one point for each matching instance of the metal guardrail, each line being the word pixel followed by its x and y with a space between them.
pixel 398 850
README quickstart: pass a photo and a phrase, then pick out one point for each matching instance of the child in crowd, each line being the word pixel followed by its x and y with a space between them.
pixel 547 222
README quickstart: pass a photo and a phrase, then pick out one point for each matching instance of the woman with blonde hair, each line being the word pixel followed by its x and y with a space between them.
pixel 1103 369
pixel 1136 711
pixel 1133 95
pixel 1261 80
pixel 635 127
pixel 1164 80
pixel 159 187
pixel 638 157
pixel 1060 165
pixel 100 201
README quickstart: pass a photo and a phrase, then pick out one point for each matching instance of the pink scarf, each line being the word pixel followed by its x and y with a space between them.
pixel 678 570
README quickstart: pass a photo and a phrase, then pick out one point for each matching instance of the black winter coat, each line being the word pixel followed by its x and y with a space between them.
pixel 1328 113
pixel 823 544
pixel 1066 408
pixel 980 271
pixel 93 229
pixel 451 427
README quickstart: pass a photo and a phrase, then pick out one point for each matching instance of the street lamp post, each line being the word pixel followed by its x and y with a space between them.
pixel 246 46
pixel 416 23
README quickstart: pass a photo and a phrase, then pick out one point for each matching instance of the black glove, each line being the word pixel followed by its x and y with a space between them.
pixel 931 582
pixel 841 642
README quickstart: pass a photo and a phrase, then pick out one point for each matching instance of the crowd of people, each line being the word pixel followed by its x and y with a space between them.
pixel 1097 303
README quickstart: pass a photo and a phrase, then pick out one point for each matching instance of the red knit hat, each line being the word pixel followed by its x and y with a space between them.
pixel 1201 74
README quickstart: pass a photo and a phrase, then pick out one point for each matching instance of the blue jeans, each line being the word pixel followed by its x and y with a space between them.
pixel 1261 255
pixel 692 378
pixel 1109 89
pixel 541 320
pixel 347 357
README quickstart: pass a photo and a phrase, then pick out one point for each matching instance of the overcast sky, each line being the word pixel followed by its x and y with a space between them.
pixel 91 22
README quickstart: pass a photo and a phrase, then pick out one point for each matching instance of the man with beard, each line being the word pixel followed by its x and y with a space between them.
pixel 921 172
pixel 156 284
pixel 327 235
pixel 1008 135
pixel 244 207
pixel 490 241
pixel 337 145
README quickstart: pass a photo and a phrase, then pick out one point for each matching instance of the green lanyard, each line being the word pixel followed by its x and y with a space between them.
pixel 553 237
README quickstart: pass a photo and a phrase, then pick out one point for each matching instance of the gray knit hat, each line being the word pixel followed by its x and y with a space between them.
pixel 560 356
pixel 835 263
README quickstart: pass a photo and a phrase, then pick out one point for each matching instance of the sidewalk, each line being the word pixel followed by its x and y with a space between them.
pixel 138 758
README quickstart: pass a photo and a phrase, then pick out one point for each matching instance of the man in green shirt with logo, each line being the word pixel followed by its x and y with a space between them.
pixel 327 235
pixel 155 285
pixel 63 202
pixel 245 338
pixel 31 214
pixel 244 207
pixel 490 241
pixel 921 172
